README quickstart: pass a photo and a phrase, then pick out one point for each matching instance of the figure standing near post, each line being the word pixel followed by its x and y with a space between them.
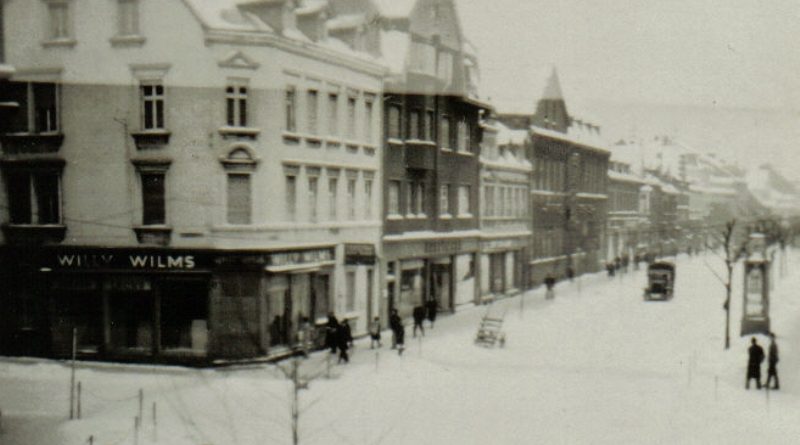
pixel 375 333
pixel 755 357
pixel 419 316
pixel 772 361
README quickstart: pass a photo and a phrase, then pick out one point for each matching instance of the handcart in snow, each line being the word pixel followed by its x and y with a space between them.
pixel 490 331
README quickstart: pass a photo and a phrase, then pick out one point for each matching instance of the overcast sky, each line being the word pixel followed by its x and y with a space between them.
pixel 702 53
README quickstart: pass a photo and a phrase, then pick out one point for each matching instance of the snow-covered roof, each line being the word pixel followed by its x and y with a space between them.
pixel 225 15
pixel 346 21
pixel 627 177
pixel 311 7
pixel 569 138
pixel 394 50
pixel 507 136
pixel 395 8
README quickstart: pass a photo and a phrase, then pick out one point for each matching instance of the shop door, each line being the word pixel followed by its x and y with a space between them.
pixel 497 272
pixel 279 310
pixel 132 321
pixel 441 285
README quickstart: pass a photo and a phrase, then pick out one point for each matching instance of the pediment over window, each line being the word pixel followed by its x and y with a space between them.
pixel 238 59
pixel 240 157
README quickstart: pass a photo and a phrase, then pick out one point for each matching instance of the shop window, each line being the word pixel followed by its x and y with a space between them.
pixel 321 296
pixel 132 315
pixel 184 316
pixel 34 197
pixel 350 295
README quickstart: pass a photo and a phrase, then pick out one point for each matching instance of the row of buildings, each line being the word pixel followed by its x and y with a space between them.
pixel 201 180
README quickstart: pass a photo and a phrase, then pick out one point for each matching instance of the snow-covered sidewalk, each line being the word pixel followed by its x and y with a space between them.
pixel 595 365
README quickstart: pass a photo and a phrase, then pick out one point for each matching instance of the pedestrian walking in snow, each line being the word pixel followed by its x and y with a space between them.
pixel 400 336
pixel 375 333
pixel 550 284
pixel 304 335
pixel 331 330
pixel 394 323
pixel 343 340
pixel 347 332
pixel 755 357
pixel 433 307
pixel 772 362
pixel 419 316
pixel 570 273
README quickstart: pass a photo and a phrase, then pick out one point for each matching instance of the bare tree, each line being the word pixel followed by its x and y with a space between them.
pixel 732 255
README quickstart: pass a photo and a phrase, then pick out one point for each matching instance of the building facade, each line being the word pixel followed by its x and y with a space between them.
pixel 505 220
pixel 202 198
pixel 627 225
pixel 431 158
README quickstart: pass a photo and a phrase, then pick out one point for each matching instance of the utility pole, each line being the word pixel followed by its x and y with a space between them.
pixel 295 403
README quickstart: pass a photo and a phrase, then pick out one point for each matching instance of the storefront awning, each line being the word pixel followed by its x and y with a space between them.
pixel 299 268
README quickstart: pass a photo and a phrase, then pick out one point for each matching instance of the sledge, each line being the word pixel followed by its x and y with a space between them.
pixel 490 332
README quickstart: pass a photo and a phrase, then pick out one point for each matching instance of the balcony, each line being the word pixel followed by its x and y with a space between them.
pixel 34 234
pixel 31 143
pixel 420 155
pixel 151 139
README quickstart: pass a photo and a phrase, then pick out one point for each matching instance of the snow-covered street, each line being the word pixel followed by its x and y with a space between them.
pixel 595 365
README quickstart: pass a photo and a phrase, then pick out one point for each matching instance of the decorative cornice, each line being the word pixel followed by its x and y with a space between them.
pixel 240 60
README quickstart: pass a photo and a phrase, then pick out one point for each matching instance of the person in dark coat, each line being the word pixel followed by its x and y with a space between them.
pixel 394 323
pixel 400 336
pixel 343 340
pixel 347 332
pixel 433 307
pixel 772 362
pixel 570 273
pixel 375 333
pixel 755 357
pixel 419 316
pixel 550 283
pixel 331 330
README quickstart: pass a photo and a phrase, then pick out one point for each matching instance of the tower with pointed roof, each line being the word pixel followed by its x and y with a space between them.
pixel 551 110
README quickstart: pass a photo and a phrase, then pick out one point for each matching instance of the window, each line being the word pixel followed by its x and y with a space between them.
pixel 312 110
pixel 501 201
pixel 38 107
pixel 239 199
pixel 291 196
pixel 351 118
pixel 369 111
pixel 444 200
pixel 394 198
pixel 313 183
pixel 463 200
pixel 236 104
pixel 368 198
pixel 59 20
pixel 488 200
pixel 152 106
pixel 153 202
pixel 333 190
pixel 419 204
pixel 333 114
pixel 128 17
pixel 411 198
pixel 445 66
pixel 461 143
pixel 413 124
pixel 445 138
pixel 351 198
pixel 429 120
pixel 350 297
pixel 394 122
pixel 291 109
pixel 509 202
pixel 34 197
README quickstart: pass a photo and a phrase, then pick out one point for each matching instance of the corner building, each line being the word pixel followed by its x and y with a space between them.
pixel 187 199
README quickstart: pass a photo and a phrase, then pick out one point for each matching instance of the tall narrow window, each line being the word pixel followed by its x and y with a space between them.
pixel 45 111
pixel 153 201
pixel 350 297
pixel 368 214
pixel 461 135
pixel 291 196
pixel 333 114
pixel 394 122
pixel 312 111
pixel 444 200
pixel 445 138
pixel 369 111
pixel 313 185
pixel 464 208
pixel 291 108
pixel 239 199
pixel 411 198
pixel 394 198
pixel 59 20
pixel 351 198
pixel 128 17
pixel 413 124
pixel 236 104
pixel 419 205
pixel 351 117
pixel 152 95
pixel 429 120
pixel 333 193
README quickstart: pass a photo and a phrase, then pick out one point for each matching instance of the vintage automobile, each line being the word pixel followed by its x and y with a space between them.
pixel 660 281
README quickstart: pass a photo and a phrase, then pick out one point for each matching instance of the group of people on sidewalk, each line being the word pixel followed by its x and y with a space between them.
pixel 339 337
pixel 756 357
